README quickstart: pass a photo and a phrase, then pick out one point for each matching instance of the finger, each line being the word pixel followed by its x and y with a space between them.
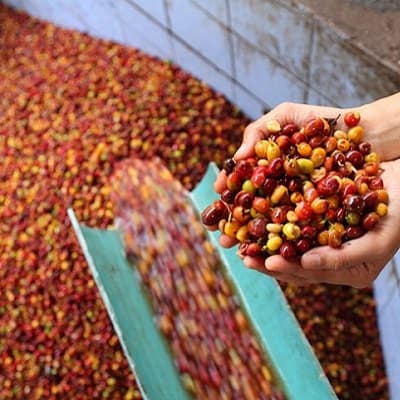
pixel 353 252
pixel 288 278
pixel 279 264
pixel 220 182
pixel 252 134
pixel 256 263
pixel 359 276
pixel 226 241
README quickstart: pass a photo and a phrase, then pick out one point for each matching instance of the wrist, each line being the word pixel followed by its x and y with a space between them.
pixel 381 121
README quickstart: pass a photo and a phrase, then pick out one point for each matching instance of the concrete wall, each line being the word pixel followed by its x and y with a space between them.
pixel 258 53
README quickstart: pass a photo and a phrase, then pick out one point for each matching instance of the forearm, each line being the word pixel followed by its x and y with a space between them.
pixel 381 120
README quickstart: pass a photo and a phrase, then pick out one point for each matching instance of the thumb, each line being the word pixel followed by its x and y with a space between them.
pixel 252 134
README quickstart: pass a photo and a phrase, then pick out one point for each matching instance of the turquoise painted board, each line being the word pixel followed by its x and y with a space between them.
pixel 290 353
pixel 130 313
pixel 288 350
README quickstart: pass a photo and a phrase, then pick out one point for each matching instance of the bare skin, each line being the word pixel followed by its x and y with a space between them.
pixel 359 261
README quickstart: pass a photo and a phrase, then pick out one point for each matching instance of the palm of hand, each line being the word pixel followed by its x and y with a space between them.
pixel 359 261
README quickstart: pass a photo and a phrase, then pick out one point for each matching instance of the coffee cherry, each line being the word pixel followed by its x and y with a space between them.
pixel 314 127
pixel 354 232
pixel 269 186
pixel 304 149
pixel 334 238
pixel 370 221
pixel 234 181
pixel 316 141
pixel 329 185
pixel 241 234
pixel 343 145
pixel 364 148
pixel 370 200
pixel 352 218
pixel 244 199
pixel 330 144
pixel 340 214
pixel 298 138
pixel 339 158
pixel 356 158
pixel 273 151
pixel 290 129
pixel 372 157
pixel 244 168
pixel 323 237
pixel 260 148
pixel 231 228
pixel 258 176
pixel 381 209
pixel 240 214
pixel 376 183
pixel 303 245
pixel 229 165
pixel 283 141
pixel 352 118
pixel 288 250
pixel 214 213
pixel 274 243
pixel 310 195
pixel 303 211
pixel 260 204
pixel 339 134
pixel 305 165
pixel 319 206
pixel 291 231
pixel 248 186
pixel 279 192
pixel 257 227
pixel 274 228
pixel 275 167
pixel 355 134
pixel 354 203
pixel 253 250
pixel 227 196
pixel 318 156
pixel 291 167
pixel 278 215
pixel 383 196
pixel 308 232
pixel 273 126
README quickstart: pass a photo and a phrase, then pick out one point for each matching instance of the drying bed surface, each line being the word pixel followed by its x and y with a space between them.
pixel 71 107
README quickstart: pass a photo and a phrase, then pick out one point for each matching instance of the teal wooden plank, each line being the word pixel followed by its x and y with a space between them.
pixel 289 351
pixel 130 313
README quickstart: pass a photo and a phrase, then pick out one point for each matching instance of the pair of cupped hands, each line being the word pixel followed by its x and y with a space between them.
pixel 358 262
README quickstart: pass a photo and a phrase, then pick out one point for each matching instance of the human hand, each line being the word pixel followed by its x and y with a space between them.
pixel 358 262
pixel 340 266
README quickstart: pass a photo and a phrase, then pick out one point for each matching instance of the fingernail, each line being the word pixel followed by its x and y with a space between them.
pixel 270 266
pixel 312 261
pixel 241 149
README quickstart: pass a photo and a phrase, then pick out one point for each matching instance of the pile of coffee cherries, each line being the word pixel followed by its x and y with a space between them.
pixel 305 187
pixel 210 336
pixel 71 107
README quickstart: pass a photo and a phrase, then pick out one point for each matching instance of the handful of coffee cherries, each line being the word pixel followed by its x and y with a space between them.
pixel 304 187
